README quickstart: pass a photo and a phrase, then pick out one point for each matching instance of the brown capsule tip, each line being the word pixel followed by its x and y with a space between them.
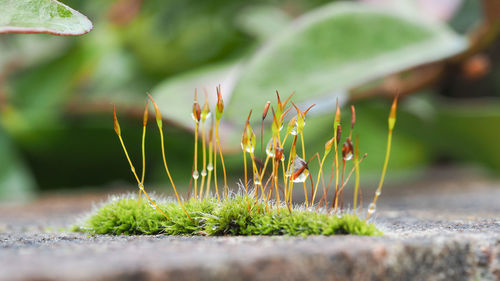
pixel 266 109
pixel 115 122
pixel 279 100
pixel 353 118
pixel 392 115
pixel 339 133
pixel 220 101
pixel 299 113
pixel 296 108
pixel 309 108
pixel 278 153
pixel 394 107
pixel 145 118
pixel 157 110
pixel 196 111
pixel 329 144
pixel 337 112
pixel 289 97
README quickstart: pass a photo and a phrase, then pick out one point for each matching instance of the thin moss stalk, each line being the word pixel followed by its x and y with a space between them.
pixel 391 122
pixel 248 213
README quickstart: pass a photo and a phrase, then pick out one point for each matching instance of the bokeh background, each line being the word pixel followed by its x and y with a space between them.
pixel 56 93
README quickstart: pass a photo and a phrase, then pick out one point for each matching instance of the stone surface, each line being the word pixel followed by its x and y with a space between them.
pixel 435 231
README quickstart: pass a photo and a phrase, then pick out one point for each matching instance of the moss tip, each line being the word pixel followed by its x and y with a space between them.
pixel 116 125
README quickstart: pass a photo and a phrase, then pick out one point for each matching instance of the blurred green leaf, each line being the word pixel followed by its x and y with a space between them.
pixel 263 22
pixel 174 96
pixel 16 182
pixel 336 47
pixel 41 16
pixel 468 132
pixel 318 56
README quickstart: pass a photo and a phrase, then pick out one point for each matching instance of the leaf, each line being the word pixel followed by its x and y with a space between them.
pixel 319 56
pixel 336 47
pixel 41 16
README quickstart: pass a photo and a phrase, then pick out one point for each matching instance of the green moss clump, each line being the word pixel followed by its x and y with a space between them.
pixel 232 217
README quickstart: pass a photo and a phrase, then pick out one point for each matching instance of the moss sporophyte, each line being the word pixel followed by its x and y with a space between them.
pixel 264 205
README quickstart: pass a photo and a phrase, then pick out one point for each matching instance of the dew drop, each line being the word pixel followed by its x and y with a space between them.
pixel 371 208
pixel 203 172
pixel 378 192
pixel 250 149
pixel 210 167
pixel 348 157
pixel 194 118
pixel 302 177
pixel 269 148
pixel 196 175
pixel 208 116
pixel 256 180
pixel 247 147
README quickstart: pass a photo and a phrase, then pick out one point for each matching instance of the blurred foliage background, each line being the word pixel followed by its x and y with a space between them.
pixel 56 92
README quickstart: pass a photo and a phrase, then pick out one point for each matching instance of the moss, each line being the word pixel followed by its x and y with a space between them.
pixel 232 217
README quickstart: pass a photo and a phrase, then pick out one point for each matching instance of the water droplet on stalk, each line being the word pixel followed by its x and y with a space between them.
pixel 256 180
pixel 378 192
pixel 302 177
pixel 250 149
pixel 194 117
pixel 294 130
pixel 196 175
pixel 269 148
pixel 210 167
pixel 371 209
pixel 203 172
pixel 300 170
pixel 207 116
pixel 347 150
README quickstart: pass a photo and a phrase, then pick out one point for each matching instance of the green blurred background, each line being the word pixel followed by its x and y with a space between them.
pixel 56 130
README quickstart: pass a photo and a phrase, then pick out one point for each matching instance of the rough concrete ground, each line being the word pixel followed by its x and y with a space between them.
pixel 436 231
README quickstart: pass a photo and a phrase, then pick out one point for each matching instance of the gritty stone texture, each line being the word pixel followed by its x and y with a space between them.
pixel 446 233
pixel 79 257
